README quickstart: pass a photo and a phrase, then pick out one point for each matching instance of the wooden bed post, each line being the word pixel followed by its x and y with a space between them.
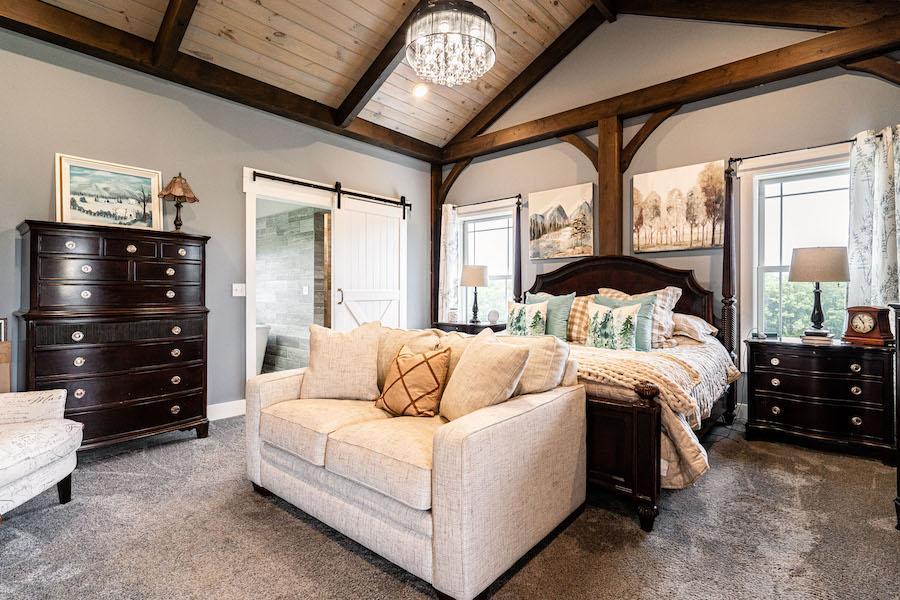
pixel 517 252
pixel 729 311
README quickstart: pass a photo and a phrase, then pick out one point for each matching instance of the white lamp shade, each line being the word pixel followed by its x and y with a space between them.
pixel 824 263
pixel 474 276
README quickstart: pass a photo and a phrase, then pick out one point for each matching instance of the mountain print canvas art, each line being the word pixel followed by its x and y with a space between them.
pixel 679 209
pixel 92 192
pixel 561 222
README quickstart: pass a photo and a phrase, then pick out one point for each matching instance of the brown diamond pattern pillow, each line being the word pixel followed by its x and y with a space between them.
pixel 414 383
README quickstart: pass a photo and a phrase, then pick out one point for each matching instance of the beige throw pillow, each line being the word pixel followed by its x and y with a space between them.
pixel 390 341
pixel 458 342
pixel 415 382
pixel 578 319
pixel 342 365
pixel 546 364
pixel 487 374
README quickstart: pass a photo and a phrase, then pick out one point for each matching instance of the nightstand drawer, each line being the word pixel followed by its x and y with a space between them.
pixel 843 364
pixel 804 386
pixel 826 420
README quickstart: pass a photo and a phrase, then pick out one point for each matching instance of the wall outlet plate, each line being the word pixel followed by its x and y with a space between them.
pixel 238 290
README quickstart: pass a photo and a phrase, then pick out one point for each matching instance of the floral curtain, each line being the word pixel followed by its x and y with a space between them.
pixel 450 259
pixel 873 242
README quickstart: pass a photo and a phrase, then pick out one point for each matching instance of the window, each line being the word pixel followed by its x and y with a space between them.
pixel 797 210
pixel 487 239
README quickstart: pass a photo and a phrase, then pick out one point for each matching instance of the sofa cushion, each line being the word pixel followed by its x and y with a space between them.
pixel 391 340
pixel 342 365
pixel 547 356
pixel 390 456
pixel 301 427
pixel 458 342
pixel 414 383
pixel 26 447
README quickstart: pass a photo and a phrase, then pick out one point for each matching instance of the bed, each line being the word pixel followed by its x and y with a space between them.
pixel 626 439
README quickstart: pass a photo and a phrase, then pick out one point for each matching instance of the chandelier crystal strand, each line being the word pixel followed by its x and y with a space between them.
pixel 450 42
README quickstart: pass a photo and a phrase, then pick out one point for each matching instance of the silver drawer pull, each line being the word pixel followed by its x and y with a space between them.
pixel 85 294
pixel 176 330
pixel 77 336
pixel 856 390
pixel 176 380
pixel 79 361
pixel 71 245
pixel 175 409
pixel 776 410
pixel 775 362
pixel 170 294
pixel 856 367
pixel 182 252
pixel 776 382
pixel 856 421
pixel 175 352
pixel 79 393
pixel 131 248
pixel 86 268
pixel 170 271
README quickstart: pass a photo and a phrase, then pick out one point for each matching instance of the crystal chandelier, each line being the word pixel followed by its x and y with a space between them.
pixel 450 42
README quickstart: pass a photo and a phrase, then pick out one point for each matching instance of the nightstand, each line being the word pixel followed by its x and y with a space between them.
pixel 473 328
pixel 837 397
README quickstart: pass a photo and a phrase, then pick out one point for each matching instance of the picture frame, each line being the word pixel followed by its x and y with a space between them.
pixel 96 192
pixel 561 222
pixel 679 209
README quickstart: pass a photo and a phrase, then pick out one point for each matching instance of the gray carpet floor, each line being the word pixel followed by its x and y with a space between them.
pixel 174 517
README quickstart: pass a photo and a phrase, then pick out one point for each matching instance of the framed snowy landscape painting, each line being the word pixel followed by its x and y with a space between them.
pixel 93 192
pixel 561 222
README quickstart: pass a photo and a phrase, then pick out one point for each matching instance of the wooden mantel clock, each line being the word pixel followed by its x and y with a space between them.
pixel 868 325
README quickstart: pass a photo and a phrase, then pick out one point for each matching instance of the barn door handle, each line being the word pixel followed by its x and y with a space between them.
pixel 341 292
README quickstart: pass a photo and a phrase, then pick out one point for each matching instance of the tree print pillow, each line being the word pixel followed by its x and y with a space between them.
pixel 526 319
pixel 643 327
pixel 612 328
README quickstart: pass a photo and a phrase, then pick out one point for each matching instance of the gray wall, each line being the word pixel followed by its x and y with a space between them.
pixel 827 107
pixel 54 100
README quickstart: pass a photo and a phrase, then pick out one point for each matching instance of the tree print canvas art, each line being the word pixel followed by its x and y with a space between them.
pixel 561 222
pixel 527 319
pixel 679 209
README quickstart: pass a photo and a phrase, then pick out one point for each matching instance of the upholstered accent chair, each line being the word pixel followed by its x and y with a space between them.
pixel 37 447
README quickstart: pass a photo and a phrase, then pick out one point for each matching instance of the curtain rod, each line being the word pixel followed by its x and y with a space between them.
pixel 742 158
pixel 518 198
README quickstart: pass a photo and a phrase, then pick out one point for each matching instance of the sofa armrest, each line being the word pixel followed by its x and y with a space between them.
pixel 21 407
pixel 263 391
pixel 503 478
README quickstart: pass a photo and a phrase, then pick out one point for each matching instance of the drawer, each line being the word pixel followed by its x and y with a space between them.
pixel 163 271
pixel 843 364
pixel 68 244
pixel 102 332
pixel 92 295
pixel 86 269
pixel 182 251
pixel 107 359
pixel 126 247
pixel 831 420
pixel 111 422
pixel 93 392
pixel 804 386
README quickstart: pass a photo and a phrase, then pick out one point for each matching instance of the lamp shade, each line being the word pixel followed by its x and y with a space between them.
pixel 474 276
pixel 824 263
pixel 178 190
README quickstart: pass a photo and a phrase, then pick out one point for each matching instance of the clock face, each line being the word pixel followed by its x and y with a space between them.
pixel 862 323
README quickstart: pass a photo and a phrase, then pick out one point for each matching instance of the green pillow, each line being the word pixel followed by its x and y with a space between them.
pixel 644 327
pixel 558 308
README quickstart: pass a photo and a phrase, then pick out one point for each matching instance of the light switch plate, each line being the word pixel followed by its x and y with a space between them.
pixel 306 290
pixel 238 290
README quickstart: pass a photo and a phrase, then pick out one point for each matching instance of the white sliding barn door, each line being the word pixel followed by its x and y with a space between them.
pixel 368 265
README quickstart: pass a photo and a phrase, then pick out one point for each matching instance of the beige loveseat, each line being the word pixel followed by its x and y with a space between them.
pixel 455 503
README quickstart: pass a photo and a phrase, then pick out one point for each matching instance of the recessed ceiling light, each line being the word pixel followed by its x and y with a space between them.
pixel 420 90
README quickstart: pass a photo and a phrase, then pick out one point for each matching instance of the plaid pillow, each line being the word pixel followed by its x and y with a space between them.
pixel 578 319
pixel 663 311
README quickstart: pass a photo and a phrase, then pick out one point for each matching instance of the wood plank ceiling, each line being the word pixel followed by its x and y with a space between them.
pixel 320 48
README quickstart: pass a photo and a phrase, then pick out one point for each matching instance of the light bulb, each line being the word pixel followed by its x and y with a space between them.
pixel 420 90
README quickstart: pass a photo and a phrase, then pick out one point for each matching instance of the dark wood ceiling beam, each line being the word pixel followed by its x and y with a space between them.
pixel 171 32
pixel 61 27
pixel 567 41
pixel 451 178
pixel 380 69
pixel 607 8
pixel 828 50
pixel 880 66
pixel 583 145
pixel 810 14
pixel 643 133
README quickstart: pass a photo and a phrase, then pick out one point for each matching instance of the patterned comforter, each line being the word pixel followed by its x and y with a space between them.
pixel 690 378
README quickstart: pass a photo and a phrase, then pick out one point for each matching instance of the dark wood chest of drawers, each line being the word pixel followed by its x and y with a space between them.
pixel 839 397
pixel 117 317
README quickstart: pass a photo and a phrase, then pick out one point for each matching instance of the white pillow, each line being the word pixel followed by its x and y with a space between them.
pixel 526 319
pixel 547 356
pixel 342 365
pixel 693 327
pixel 663 310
